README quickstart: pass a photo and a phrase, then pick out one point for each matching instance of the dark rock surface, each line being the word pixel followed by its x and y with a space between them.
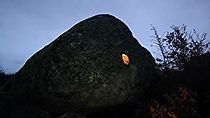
pixel 83 71
pixel 17 105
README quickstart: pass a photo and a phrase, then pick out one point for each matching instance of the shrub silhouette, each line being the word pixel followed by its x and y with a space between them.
pixel 4 77
pixel 178 46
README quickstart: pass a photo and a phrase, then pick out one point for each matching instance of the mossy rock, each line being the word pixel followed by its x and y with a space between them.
pixel 83 70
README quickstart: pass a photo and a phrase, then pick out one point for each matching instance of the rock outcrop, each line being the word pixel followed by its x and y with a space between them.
pixel 94 65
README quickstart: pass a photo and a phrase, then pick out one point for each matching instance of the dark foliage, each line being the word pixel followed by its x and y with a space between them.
pixel 178 46
pixel 181 88
pixel 4 77
pixel 182 94
pixel 197 77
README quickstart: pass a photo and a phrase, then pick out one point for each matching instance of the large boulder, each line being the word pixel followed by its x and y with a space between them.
pixel 94 65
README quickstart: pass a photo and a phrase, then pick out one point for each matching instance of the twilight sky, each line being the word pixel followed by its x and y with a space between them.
pixel 26 26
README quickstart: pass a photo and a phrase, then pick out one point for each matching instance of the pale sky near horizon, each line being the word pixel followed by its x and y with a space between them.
pixel 26 26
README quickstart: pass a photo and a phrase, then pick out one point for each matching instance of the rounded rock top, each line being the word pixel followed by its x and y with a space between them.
pixel 95 64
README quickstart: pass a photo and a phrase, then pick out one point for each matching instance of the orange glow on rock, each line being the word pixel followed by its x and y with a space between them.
pixel 125 59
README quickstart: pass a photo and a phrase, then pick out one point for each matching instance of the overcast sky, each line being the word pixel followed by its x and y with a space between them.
pixel 26 26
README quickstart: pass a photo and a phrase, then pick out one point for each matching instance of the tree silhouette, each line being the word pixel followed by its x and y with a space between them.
pixel 178 46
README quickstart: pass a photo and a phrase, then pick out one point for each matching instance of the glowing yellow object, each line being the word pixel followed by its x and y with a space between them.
pixel 125 59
